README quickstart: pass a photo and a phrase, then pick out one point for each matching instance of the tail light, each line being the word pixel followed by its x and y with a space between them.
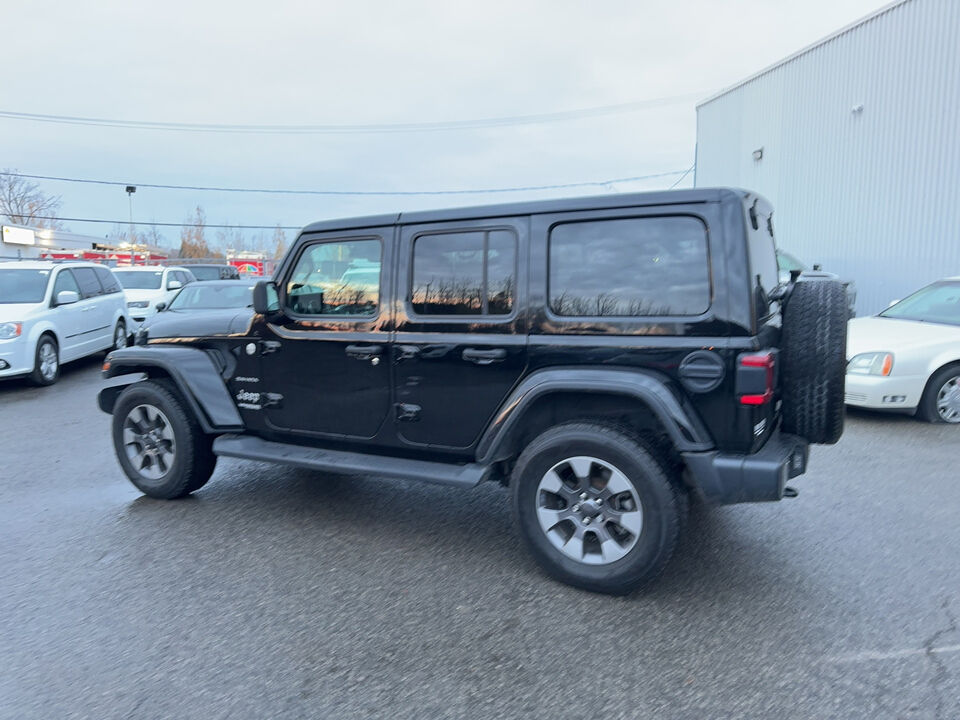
pixel 756 377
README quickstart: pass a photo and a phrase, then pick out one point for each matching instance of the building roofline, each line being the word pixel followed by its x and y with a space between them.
pixel 809 48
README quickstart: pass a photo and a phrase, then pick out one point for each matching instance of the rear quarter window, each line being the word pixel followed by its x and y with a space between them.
pixel 630 267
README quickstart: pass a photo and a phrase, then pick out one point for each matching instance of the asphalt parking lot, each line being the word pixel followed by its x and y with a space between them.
pixel 276 592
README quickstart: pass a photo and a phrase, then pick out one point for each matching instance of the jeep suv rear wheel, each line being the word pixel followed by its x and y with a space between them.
pixel 159 443
pixel 595 507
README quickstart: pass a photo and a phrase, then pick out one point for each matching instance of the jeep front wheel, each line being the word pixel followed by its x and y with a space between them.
pixel 159 443
pixel 595 508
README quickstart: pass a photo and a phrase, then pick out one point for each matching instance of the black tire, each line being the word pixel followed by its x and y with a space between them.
pixel 661 500
pixel 193 461
pixel 928 408
pixel 119 330
pixel 39 376
pixel 813 360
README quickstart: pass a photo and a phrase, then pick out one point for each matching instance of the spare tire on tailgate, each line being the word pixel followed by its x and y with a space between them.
pixel 813 360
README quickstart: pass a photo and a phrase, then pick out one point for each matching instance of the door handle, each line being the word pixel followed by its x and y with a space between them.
pixel 484 357
pixel 364 352
pixel 407 352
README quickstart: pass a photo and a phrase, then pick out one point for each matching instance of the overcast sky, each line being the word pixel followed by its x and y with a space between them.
pixel 282 62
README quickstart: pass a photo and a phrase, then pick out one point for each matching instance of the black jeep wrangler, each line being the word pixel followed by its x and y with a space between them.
pixel 607 358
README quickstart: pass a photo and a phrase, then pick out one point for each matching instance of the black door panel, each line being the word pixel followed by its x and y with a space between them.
pixel 331 363
pixel 461 342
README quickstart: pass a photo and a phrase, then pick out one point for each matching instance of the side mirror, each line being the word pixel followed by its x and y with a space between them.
pixel 67 297
pixel 174 285
pixel 266 299
pixel 161 306
pixel 818 267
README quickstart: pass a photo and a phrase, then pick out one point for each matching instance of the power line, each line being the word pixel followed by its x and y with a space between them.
pixel 167 224
pixel 347 129
pixel 274 191
pixel 686 172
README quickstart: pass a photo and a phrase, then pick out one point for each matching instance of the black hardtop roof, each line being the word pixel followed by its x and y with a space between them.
pixel 590 202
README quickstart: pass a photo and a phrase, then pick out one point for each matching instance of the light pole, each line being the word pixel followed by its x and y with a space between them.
pixel 131 189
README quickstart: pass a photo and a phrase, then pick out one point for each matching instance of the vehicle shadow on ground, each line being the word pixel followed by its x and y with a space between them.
pixel 718 553
pixel 70 373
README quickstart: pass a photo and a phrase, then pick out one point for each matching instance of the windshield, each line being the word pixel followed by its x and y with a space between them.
pixel 139 279
pixel 788 262
pixel 205 273
pixel 937 303
pixel 211 297
pixel 23 286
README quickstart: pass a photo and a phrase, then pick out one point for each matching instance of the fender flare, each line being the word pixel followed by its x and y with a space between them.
pixel 680 420
pixel 195 374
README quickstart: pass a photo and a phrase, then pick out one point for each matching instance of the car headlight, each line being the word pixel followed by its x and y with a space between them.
pixel 10 330
pixel 872 363
pixel 138 304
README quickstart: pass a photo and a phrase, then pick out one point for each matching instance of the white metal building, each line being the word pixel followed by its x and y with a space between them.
pixel 856 142
pixel 22 241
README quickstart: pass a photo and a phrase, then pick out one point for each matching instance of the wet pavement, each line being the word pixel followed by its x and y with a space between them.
pixel 276 592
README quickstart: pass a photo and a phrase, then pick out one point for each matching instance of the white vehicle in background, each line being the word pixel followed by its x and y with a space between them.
pixel 147 286
pixel 907 358
pixel 52 313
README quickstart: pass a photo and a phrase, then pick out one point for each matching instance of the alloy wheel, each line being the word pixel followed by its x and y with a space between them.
pixel 149 442
pixel 948 400
pixel 589 510
pixel 48 361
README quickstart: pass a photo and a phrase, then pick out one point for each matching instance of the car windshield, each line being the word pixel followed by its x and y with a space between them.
pixel 205 273
pixel 212 297
pixel 139 279
pixel 788 262
pixel 23 286
pixel 937 303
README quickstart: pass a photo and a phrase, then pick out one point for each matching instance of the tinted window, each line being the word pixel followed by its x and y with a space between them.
pixel 23 286
pixel 468 273
pixel 107 280
pixel 203 296
pixel 65 281
pixel 139 279
pixel 206 273
pixel 87 280
pixel 337 278
pixel 630 267
pixel 762 250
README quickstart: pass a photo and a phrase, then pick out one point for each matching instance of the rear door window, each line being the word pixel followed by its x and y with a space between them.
pixel 107 280
pixel 630 267
pixel 87 280
pixel 464 273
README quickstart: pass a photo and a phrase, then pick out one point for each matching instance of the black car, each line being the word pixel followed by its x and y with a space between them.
pixel 202 307
pixel 207 272
pixel 607 358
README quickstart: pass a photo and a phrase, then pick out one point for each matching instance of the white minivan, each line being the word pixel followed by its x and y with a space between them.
pixel 52 313
pixel 146 286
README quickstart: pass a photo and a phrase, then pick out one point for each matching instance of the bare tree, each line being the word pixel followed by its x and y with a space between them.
pixel 193 242
pixel 279 243
pixel 24 203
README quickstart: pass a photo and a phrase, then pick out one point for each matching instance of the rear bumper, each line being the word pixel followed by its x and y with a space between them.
pixel 724 479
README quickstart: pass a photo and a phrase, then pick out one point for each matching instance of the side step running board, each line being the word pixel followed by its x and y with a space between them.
pixel 349 463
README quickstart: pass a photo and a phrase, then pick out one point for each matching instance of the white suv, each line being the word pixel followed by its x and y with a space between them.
pixel 52 313
pixel 147 286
